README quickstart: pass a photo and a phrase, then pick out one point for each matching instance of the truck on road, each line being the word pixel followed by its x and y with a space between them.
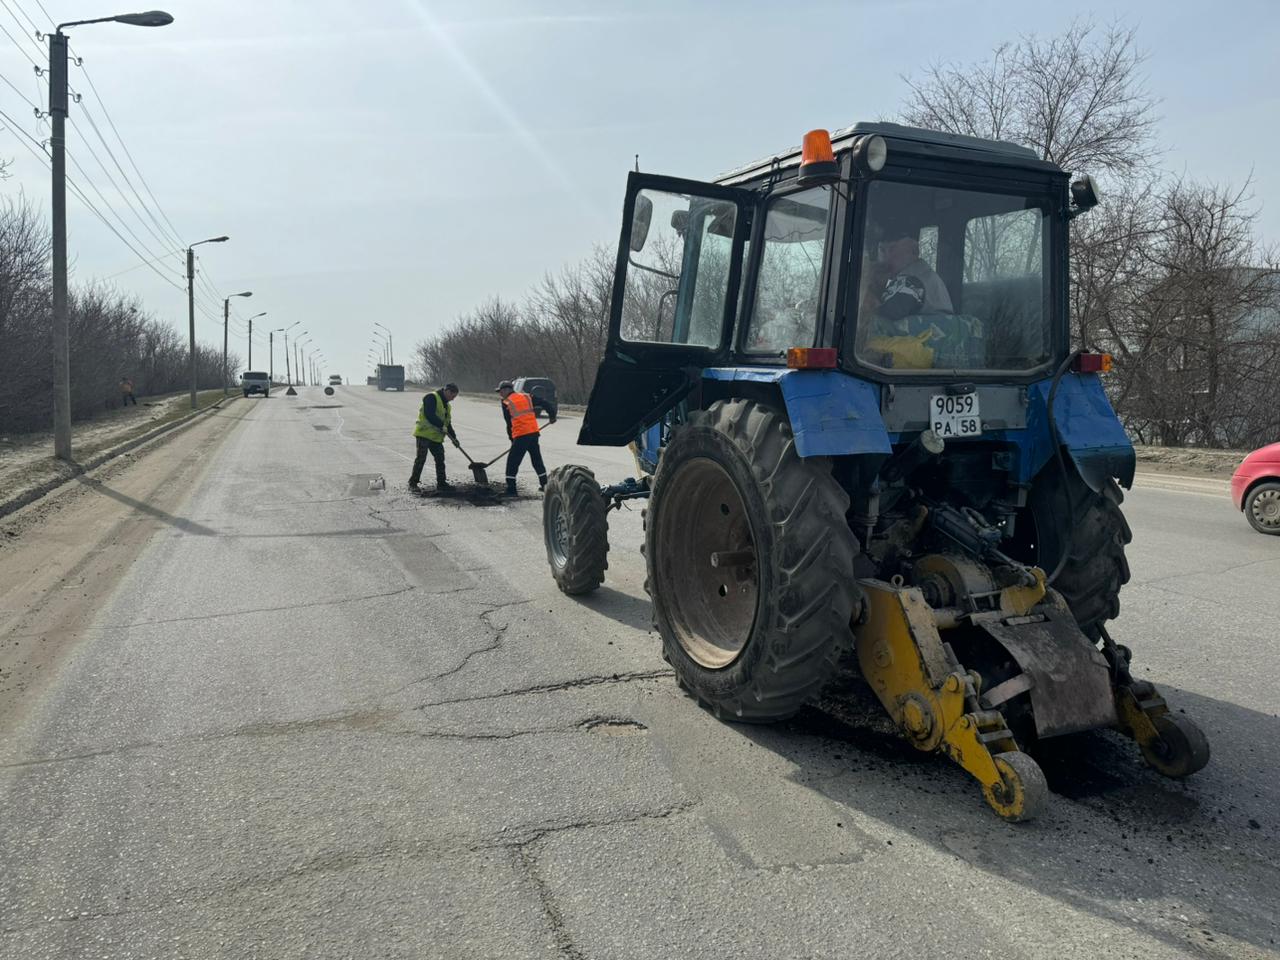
pixel 390 376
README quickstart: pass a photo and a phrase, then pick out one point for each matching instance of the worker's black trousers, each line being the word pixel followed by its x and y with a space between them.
pixel 519 447
pixel 437 454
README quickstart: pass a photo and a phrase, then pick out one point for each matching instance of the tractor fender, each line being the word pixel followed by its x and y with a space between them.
pixel 1092 435
pixel 832 414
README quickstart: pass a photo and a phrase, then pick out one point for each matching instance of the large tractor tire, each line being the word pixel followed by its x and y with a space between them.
pixel 575 522
pixel 750 564
pixel 1096 569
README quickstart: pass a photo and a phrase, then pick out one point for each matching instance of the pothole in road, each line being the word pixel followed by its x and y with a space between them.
pixel 471 495
pixel 608 727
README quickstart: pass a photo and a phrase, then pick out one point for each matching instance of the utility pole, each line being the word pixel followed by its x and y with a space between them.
pixel 391 356
pixel 191 317
pixel 226 313
pixel 191 311
pixel 271 363
pixel 251 319
pixel 58 210
pixel 58 147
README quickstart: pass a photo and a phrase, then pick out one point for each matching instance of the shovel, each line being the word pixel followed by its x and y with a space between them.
pixel 478 469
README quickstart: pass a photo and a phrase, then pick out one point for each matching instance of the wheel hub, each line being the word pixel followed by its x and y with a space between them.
pixel 1266 508
pixel 559 539
pixel 708 574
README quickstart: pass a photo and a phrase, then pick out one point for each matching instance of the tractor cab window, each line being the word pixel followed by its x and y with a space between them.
pixel 953 280
pixel 678 274
pixel 789 278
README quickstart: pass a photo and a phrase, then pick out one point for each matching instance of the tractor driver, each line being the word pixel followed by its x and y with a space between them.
pixel 913 287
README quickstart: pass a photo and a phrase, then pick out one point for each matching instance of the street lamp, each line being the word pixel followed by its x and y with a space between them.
pixel 226 313
pixel 58 109
pixel 285 331
pixel 191 306
pixel 251 319
pixel 391 355
pixel 382 344
pixel 297 353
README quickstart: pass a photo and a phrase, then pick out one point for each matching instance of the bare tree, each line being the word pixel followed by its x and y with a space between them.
pixel 111 336
pixel 1077 99
pixel 1201 343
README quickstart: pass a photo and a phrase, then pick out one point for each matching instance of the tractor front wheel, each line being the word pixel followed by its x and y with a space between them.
pixel 750 563
pixel 575 520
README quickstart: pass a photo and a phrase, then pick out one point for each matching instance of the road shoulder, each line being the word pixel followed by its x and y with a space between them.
pixel 63 555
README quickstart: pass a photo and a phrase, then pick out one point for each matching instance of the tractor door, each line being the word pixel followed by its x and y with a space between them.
pixel 675 294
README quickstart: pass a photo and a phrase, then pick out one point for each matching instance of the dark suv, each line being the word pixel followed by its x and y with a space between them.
pixel 540 387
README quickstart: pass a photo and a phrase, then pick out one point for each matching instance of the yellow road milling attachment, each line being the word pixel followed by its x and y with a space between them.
pixel 976 670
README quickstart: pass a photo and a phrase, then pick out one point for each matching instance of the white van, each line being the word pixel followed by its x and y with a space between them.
pixel 255 381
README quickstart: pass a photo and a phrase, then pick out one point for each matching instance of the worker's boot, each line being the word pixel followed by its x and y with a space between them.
pixel 511 487
pixel 542 482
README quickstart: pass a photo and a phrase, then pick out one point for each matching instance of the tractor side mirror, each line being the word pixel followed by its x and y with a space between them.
pixel 641 216
pixel 1084 196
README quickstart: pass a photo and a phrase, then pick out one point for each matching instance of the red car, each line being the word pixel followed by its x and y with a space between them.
pixel 1255 488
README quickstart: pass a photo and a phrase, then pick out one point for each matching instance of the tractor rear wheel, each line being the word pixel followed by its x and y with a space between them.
pixel 1096 569
pixel 750 563
pixel 575 521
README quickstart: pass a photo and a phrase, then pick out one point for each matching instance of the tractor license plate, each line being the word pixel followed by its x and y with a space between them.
pixel 955 416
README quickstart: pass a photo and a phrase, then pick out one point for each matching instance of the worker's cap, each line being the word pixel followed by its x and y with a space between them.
pixel 504 385
pixel 893 230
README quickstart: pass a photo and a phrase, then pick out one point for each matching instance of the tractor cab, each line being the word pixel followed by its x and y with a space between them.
pixel 898 256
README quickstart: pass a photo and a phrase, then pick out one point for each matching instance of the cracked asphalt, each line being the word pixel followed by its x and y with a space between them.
pixel 252 707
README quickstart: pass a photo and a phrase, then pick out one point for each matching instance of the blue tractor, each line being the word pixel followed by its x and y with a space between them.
pixel 869 451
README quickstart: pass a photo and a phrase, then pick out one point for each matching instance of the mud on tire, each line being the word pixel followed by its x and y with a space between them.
pixel 1090 581
pixel 575 525
pixel 751 640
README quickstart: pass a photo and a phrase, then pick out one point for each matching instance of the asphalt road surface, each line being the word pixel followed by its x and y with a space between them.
pixel 251 707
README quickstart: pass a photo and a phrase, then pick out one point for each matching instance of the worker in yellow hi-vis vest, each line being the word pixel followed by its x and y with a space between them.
pixel 434 424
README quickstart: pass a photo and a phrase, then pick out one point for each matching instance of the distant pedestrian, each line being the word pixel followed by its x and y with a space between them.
pixel 520 411
pixel 434 424
pixel 126 392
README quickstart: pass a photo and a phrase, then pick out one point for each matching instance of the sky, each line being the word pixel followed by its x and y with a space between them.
pixel 400 161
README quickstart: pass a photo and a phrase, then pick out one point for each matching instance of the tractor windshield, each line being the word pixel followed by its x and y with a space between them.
pixel 953 280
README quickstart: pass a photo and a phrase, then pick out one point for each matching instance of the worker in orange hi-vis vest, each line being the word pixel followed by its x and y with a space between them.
pixel 521 413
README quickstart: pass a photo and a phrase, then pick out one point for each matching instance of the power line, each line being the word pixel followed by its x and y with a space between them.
pixel 31 103
pixel 45 12
pixel 38 152
pixel 164 241
pixel 177 235
pixel 21 26
pixel 20 48
pixel 151 254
